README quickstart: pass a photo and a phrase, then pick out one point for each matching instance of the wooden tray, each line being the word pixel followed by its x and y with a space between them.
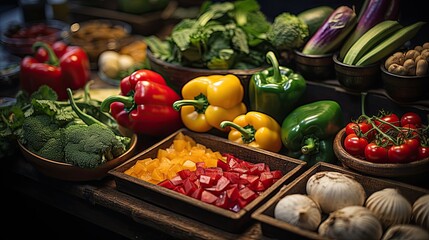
pixel 212 215
pixel 273 227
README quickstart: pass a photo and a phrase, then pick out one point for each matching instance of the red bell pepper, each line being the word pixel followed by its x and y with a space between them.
pixel 60 67
pixel 145 104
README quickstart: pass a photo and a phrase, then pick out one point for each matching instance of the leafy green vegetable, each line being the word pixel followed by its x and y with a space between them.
pixel 221 37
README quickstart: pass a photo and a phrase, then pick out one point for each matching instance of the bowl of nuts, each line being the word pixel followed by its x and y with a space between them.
pixel 405 74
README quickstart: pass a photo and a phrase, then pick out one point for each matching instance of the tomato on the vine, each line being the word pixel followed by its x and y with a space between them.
pixel 414 145
pixel 355 145
pixel 411 118
pixel 399 153
pixel 354 127
pixel 391 118
pixel 375 153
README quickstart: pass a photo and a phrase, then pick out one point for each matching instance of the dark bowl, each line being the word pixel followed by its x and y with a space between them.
pixel 357 78
pixel 405 89
pixel 178 76
pixel 314 67
pixel 19 39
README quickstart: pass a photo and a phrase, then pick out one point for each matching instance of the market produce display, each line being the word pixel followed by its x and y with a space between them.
pixel 277 120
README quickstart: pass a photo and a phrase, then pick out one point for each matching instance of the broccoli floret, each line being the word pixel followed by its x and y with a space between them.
pixel 288 32
pixel 53 149
pixel 37 130
pixel 90 146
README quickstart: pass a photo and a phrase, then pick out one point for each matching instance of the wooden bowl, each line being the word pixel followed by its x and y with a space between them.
pixel 357 78
pixel 391 170
pixel 69 172
pixel 405 89
pixel 314 67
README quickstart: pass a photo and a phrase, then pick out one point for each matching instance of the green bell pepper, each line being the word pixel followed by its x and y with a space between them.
pixel 308 131
pixel 276 90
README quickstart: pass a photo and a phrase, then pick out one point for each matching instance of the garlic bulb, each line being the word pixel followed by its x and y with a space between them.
pixel 352 222
pixel 405 232
pixel 298 210
pixel 390 207
pixel 334 190
pixel 420 211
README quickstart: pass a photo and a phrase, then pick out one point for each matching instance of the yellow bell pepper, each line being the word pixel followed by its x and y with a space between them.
pixel 255 129
pixel 209 100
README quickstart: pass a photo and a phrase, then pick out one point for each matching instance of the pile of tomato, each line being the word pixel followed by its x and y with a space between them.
pixel 388 138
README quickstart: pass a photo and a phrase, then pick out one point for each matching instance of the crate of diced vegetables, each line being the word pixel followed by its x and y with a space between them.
pixel 208 178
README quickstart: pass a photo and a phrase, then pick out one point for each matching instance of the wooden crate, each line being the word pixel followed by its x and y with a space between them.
pixel 212 215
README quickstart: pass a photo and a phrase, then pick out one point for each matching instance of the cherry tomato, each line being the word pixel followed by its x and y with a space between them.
pixel 422 152
pixel 389 118
pixel 353 127
pixel 414 145
pixel 375 153
pixel 411 118
pixel 355 145
pixel 399 153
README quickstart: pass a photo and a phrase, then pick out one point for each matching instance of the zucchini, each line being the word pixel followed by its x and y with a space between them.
pixel 371 15
pixel 390 44
pixel 369 39
pixel 314 17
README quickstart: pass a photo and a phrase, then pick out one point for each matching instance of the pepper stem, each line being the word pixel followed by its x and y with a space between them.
pixel 200 103
pixel 277 77
pixel 310 146
pixel 128 102
pixel 247 132
pixel 52 57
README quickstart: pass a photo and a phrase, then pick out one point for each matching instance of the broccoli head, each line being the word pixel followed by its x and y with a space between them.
pixel 288 32
pixel 38 130
pixel 89 146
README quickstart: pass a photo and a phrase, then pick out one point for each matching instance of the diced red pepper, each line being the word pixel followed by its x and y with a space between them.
pixel 222 183
pixel 197 193
pixel 167 184
pixel 189 186
pixel 223 165
pixel 208 197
